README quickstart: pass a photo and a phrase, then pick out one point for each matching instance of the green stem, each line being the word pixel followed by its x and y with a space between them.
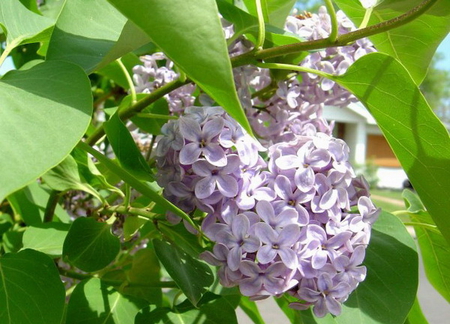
pixel 261 26
pixel 129 80
pixel 132 110
pixel 290 67
pixel 111 282
pixel 334 23
pixel 342 40
pixel 366 18
pixel 52 202
pixel 157 116
pixel 432 227
pixel 135 183
pixel 129 211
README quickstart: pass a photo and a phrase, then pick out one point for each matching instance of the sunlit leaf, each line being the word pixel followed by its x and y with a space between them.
pixel 38 136
pixel 413 44
pixel 93 302
pixel 22 25
pixel 92 34
pixel 48 238
pixel 434 248
pixel 418 138
pixel 195 43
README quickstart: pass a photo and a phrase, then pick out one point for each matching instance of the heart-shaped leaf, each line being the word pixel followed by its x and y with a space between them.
pixel 89 245
pixel 45 111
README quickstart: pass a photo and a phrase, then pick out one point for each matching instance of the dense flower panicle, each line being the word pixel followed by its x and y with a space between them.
pixel 282 226
pixel 151 75
pixel 298 221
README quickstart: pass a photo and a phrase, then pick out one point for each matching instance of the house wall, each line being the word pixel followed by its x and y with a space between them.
pixel 366 143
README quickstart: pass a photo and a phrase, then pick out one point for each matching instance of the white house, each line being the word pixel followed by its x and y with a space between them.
pixel 357 127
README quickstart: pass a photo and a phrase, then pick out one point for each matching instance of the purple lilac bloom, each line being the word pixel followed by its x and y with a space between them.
pixel 298 221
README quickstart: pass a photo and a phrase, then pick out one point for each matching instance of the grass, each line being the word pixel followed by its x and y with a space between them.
pixel 391 194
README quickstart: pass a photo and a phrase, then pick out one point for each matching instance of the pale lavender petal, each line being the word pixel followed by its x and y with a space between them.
pixel 264 193
pixel 251 244
pixel 358 256
pixel 289 235
pixel 203 168
pixel 250 286
pixel 304 179
pixel 213 128
pixel 249 269
pixel 289 258
pixel 320 308
pixel 190 153
pixel 339 239
pixel 205 187
pixel 227 185
pixel 265 233
pixel 214 154
pixel 239 226
pixel 190 129
pixel 333 306
pixel 265 210
pixel 266 254
pixel 319 259
pixel 234 258
pixel 283 187
pixel 288 162
pixel 328 199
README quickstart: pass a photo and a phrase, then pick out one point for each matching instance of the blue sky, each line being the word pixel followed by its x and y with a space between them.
pixel 444 48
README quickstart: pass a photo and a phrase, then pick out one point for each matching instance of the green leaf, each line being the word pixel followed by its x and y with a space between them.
pixel 38 136
pixel 65 177
pixel 114 72
pixel 89 245
pixel 248 24
pixel 195 43
pixel 48 238
pixel 413 44
pixel 213 310
pixel 149 190
pixel 125 149
pixel 92 34
pixel 12 241
pixel 192 276
pixel 389 290
pixel 433 246
pixel 150 125
pixel 418 138
pixel 88 172
pixel 275 11
pixel 415 315
pixel 93 302
pixel 249 307
pixel 22 25
pixel 29 204
pixel 178 233
pixel 31 290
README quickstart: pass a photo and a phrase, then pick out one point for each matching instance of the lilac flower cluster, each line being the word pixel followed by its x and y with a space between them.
pixel 332 60
pixel 156 71
pixel 285 225
pixel 296 107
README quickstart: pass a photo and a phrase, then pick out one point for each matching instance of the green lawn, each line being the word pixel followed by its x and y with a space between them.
pixel 391 194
